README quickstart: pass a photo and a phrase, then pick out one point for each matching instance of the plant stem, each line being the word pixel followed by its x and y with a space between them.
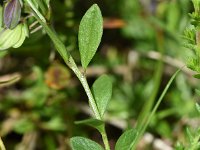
pixel 159 101
pixel 42 6
pixel 2 147
pixel 146 123
pixel 36 10
pixel 157 81
pixel 60 47
pixel 143 119
pixel 72 65
pixel 105 139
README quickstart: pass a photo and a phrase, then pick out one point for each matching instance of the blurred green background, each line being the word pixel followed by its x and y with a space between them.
pixel 142 47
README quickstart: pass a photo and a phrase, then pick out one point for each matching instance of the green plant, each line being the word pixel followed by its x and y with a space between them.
pixel 193 136
pixel 192 37
pixel 90 33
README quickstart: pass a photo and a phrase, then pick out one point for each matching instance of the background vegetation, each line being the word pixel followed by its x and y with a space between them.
pixel 142 46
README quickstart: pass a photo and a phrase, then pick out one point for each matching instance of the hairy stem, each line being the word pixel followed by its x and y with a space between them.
pixel 60 47
pixel 72 65
pixel 105 139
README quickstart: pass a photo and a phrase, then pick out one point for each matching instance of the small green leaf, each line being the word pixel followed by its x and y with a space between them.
pixel 95 123
pixel 90 33
pixel 102 91
pixel 81 143
pixel 126 140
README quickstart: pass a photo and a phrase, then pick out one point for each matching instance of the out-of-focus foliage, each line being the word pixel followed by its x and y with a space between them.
pixel 41 107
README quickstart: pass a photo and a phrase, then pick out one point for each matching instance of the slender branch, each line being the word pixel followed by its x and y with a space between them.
pixel 146 123
pixel 105 139
pixel 157 80
pixel 84 83
pixel 72 65
pixel 60 47
pixel 159 101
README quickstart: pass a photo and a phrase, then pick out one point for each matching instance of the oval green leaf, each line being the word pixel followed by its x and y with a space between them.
pixel 81 143
pixel 90 33
pixel 126 140
pixel 102 91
